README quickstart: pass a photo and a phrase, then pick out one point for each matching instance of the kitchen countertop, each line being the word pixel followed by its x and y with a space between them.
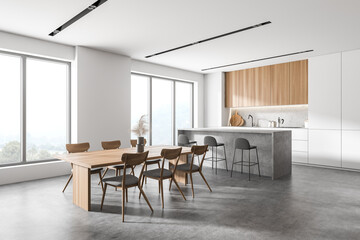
pixel 241 129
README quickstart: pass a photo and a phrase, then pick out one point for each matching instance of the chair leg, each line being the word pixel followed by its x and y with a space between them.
pixel 249 165
pixel 142 184
pixel 159 185
pixel 162 193
pixel 192 186
pixel 123 204
pixel 106 170
pixel 170 184
pixel 242 160
pixel 177 185
pixel 67 183
pixel 225 159
pixel 257 157
pixel 145 170
pixel 232 166
pixel 146 199
pixel 212 157
pixel 205 181
pixel 117 172
pixel 103 197
pixel 216 161
pixel 102 186
pixel 126 192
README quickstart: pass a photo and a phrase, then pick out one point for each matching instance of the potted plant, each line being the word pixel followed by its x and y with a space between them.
pixel 140 129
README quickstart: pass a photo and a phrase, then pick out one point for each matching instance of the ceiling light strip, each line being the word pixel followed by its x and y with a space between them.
pixel 78 16
pixel 256 60
pixel 209 39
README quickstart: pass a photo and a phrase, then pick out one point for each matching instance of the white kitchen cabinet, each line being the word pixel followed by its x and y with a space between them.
pixel 299 134
pixel 351 149
pixel 300 157
pixel 299 145
pixel 325 92
pixel 350 90
pixel 325 147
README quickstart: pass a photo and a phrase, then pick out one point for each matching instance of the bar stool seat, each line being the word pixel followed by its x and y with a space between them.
pixel 243 144
pixel 211 142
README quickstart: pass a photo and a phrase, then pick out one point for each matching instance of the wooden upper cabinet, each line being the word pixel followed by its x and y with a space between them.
pixel 280 87
pixel 280 84
pixel 299 82
pixel 262 86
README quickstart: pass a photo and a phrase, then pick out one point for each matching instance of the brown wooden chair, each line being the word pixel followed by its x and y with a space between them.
pixel 161 174
pixel 133 143
pixel 191 168
pixel 76 148
pixel 127 180
pixel 109 145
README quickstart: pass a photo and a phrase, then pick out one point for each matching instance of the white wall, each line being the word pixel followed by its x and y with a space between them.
pixel 33 46
pixel 213 99
pixel 175 73
pixel 103 97
pixel 29 172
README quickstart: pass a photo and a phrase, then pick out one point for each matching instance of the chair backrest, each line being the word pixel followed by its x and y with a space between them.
pixel 77 147
pixel 133 142
pixel 197 151
pixel 170 154
pixel 134 159
pixel 242 143
pixel 183 140
pixel 210 141
pixel 107 145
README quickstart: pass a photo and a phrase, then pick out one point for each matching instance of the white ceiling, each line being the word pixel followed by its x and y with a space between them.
pixel 137 28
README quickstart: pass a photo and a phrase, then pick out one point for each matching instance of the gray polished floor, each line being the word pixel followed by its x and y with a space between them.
pixel 313 203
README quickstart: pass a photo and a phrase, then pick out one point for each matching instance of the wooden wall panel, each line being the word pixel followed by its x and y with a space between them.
pixel 262 86
pixel 280 87
pixel 299 82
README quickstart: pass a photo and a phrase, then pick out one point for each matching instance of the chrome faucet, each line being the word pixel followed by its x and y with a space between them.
pixel 252 120
pixel 280 121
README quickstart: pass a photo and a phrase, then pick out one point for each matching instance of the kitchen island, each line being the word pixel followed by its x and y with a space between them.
pixel 274 148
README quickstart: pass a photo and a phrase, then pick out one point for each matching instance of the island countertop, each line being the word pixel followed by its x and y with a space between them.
pixel 274 147
pixel 239 129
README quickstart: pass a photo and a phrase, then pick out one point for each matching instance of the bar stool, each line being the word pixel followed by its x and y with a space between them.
pixel 243 144
pixel 211 142
pixel 184 141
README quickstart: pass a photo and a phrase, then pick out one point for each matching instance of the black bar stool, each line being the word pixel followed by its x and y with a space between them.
pixel 184 141
pixel 243 144
pixel 211 142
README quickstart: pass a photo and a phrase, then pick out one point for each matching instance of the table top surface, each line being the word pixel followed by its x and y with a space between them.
pixel 105 158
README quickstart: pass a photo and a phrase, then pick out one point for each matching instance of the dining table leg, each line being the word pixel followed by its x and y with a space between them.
pixel 82 187
pixel 181 177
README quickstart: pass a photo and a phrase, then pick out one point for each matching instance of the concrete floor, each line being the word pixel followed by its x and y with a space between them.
pixel 313 203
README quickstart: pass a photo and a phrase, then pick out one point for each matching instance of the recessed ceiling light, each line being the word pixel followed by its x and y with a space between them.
pixel 209 39
pixel 256 60
pixel 87 10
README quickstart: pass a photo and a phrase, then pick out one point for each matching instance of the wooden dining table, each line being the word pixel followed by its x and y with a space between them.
pixel 84 161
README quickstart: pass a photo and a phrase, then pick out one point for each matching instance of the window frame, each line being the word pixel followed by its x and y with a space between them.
pixel 173 119
pixel 23 58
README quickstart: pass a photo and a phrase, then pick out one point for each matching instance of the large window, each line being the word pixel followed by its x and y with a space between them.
pixel 34 101
pixel 168 104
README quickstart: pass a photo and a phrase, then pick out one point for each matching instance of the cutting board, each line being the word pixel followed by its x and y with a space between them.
pixel 236 120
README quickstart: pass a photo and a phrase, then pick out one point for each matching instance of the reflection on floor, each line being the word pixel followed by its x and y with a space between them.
pixel 313 203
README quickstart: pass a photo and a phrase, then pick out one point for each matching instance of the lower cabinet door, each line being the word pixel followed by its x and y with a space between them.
pixel 351 149
pixel 300 157
pixel 325 147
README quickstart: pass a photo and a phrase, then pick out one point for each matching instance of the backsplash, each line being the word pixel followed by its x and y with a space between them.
pixel 294 116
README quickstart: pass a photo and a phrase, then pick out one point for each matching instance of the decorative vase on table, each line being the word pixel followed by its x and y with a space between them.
pixel 140 129
pixel 140 144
